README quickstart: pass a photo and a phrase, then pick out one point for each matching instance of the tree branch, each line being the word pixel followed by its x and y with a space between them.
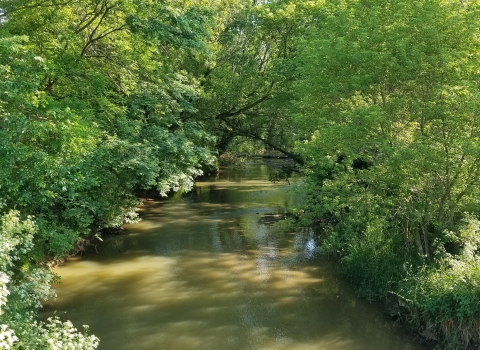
pixel 247 107
pixel 296 157
pixel 41 4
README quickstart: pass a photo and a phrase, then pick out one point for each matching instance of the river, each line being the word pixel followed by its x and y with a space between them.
pixel 204 270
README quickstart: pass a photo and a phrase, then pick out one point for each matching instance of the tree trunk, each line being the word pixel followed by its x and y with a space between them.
pixel 405 231
pixel 418 241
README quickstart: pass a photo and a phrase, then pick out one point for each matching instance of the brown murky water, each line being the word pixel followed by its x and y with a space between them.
pixel 202 271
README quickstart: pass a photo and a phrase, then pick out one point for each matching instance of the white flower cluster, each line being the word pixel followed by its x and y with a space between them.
pixel 7 337
pixel 3 290
pixel 35 287
pixel 20 297
pixel 60 335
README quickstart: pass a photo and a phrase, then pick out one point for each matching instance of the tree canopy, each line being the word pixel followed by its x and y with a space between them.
pixel 96 104
pixel 389 91
pixel 376 101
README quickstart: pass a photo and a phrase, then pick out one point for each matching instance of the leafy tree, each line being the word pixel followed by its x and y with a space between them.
pixel 384 88
pixel 389 91
pixel 92 110
pixel 248 85
pixel 95 105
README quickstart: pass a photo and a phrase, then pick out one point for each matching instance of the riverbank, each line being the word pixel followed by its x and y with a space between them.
pixel 436 295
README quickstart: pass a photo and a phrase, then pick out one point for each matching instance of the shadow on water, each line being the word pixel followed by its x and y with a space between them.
pixel 203 272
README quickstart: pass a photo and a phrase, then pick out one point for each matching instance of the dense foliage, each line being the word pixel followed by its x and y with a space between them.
pixel 95 105
pixel 390 90
pixel 376 101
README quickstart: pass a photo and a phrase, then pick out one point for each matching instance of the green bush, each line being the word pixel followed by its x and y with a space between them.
pixel 445 297
pixel 23 286
pixel 446 300
pixel 372 262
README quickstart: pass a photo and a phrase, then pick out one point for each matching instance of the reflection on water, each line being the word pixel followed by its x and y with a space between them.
pixel 202 271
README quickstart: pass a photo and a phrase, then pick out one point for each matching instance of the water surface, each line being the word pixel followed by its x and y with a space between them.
pixel 204 271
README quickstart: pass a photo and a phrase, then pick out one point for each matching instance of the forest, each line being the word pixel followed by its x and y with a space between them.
pixel 376 102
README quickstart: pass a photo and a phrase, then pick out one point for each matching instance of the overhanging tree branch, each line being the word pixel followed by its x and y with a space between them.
pixel 251 105
pixel 294 156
